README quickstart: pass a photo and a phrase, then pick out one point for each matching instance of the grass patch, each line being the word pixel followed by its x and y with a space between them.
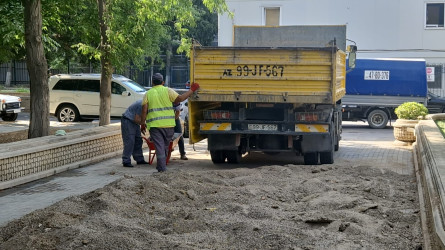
pixel 14 90
pixel 441 125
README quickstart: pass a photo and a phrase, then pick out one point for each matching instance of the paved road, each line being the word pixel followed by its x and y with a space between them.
pixel 359 143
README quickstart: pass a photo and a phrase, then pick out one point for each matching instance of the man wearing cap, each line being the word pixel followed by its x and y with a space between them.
pixel 158 112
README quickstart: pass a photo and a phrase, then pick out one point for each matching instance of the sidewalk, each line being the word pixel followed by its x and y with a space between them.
pixel 21 200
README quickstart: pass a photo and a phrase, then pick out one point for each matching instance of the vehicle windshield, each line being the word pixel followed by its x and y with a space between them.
pixel 134 86
pixel 432 94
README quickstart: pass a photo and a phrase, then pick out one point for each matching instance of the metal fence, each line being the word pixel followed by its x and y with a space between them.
pixel 179 73
pixel 18 73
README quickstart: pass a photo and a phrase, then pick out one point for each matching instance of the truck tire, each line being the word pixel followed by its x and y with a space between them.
pixel 9 117
pixel 377 119
pixel 67 113
pixel 217 156
pixel 311 158
pixel 337 143
pixel 327 157
pixel 233 156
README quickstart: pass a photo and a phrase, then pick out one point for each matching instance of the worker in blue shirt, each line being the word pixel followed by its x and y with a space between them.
pixel 131 134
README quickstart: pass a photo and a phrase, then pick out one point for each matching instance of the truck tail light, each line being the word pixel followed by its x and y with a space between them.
pixel 311 116
pixel 220 115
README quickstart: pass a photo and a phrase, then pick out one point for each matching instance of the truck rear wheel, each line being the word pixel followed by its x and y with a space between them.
pixel 311 158
pixel 9 117
pixel 337 143
pixel 233 156
pixel 217 156
pixel 327 157
pixel 377 119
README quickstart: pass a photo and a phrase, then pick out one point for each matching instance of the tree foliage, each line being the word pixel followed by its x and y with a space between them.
pixel 134 31
pixel 12 43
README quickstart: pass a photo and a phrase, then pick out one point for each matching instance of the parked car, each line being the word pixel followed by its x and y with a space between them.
pixel 10 107
pixel 435 104
pixel 73 97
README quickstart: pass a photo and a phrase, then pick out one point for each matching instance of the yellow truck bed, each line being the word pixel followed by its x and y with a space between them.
pixel 269 75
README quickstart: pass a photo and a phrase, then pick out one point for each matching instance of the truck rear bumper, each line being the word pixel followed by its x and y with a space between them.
pixel 255 127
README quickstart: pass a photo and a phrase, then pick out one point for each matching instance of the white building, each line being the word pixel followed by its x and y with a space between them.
pixel 380 28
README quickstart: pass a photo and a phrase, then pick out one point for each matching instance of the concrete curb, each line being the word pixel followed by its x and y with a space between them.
pixel 50 172
pixel 430 167
pixel 423 212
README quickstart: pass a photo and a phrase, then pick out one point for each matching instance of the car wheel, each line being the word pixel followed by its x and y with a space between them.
pixel 68 113
pixel 377 119
pixel 9 117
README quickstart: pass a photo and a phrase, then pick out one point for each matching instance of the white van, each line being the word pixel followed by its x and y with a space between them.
pixel 77 96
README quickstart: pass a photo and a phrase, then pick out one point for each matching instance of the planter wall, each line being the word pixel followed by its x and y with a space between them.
pixel 404 130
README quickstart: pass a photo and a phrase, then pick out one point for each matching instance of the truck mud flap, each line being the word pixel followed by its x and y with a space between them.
pixel 316 143
pixel 223 142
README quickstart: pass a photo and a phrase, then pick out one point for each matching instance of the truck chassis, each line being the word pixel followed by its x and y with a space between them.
pixel 238 128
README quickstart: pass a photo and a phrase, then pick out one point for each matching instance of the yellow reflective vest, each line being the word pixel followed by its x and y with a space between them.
pixel 160 108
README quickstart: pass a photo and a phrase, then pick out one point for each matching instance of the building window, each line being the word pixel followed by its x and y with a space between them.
pixel 434 15
pixel 272 16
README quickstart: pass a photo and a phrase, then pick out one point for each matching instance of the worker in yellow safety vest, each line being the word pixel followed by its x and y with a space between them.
pixel 159 114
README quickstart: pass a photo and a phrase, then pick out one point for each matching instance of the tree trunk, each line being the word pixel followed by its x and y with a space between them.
pixel 37 69
pixel 106 67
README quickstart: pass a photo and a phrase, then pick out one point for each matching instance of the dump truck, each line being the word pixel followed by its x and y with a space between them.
pixel 269 99
pixel 377 86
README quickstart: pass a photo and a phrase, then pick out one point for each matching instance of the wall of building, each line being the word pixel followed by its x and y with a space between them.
pixel 380 28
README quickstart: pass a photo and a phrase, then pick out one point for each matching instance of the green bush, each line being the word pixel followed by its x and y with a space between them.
pixel 411 111
pixel 441 125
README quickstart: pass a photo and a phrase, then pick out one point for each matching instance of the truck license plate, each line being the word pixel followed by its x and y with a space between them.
pixel 262 126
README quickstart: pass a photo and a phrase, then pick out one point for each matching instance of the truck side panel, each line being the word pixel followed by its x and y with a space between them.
pixel 259 79
pixel 377 86
pixel 292 75
pixel 388 77
pixel 290 36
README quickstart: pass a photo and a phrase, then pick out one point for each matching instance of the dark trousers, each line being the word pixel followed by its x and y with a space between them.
pixel 131 137
pixel 161 138
pixel 178 129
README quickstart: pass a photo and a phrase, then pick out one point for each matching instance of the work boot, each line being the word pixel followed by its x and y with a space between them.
pixel 127 165
pixel 183 157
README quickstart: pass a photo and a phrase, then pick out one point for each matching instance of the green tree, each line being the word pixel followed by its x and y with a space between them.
pixel 116 32
pixel 37 68
pixel 133 29
pixel 203 29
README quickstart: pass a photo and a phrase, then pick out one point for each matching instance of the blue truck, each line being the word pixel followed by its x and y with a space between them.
pixel 375 87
